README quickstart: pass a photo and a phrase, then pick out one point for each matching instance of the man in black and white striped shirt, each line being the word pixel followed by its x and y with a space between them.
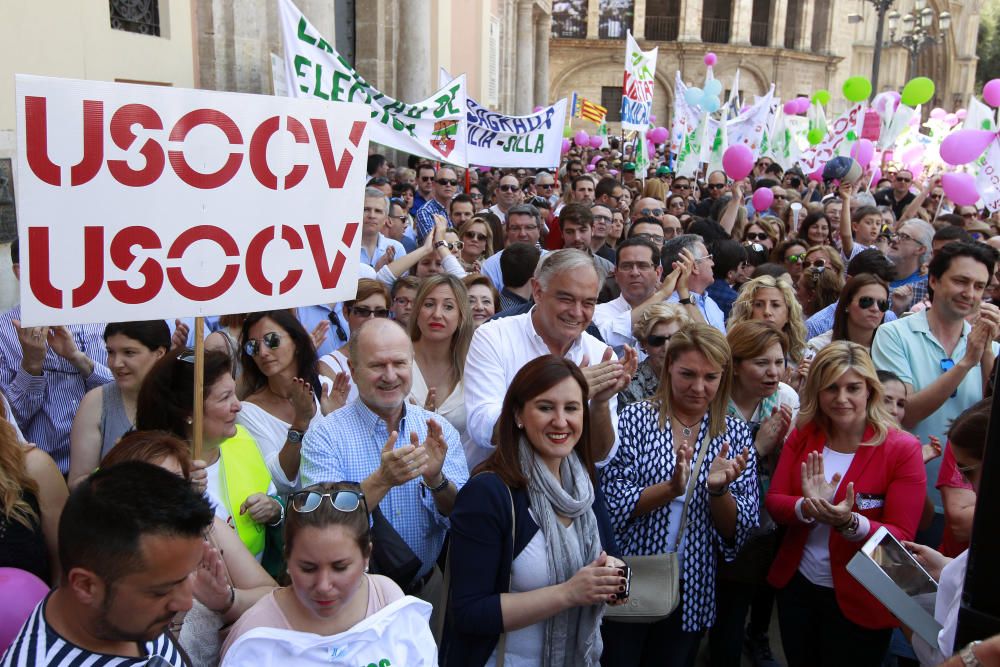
pixel 129 538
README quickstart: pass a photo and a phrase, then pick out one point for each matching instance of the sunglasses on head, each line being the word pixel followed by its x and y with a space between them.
pixel 361 311
pixel 869 301
pixel 652 340
pixel 756 236
pixel 306 501
pixel 271 339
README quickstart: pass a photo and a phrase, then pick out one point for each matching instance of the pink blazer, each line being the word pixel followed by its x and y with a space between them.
pixel 889 489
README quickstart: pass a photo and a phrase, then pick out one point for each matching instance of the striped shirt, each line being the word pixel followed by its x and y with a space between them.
pixel 39 644
pixel 44 405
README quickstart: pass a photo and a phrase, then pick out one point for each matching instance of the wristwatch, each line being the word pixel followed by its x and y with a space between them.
pixel 442 244
pixel 969 658
pixel 440 487
pixel 686 301
pixel 295 436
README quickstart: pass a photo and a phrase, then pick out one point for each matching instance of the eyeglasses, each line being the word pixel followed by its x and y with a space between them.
pixel 716 186
pixel 655 238
pixel 869 301
pixel 425 179
pixel 902 236
pixel 655 212
pixel 456 245
pixel 903 179
pixel 476 195
pixel 447 181
pixel 626 267
pixel 681 186
pixel 602 218
pixel 816 263
pixel 547 186
pixel 475 236
pixel 361 311
pixel 403 301
pixel 795 259
pixel 271 339
pixel 703 259
pixel 756 236
pixel 508 188
pixel 652 340
pixel 783 197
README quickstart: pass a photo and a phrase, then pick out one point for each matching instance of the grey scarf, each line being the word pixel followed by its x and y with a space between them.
pixel 572 637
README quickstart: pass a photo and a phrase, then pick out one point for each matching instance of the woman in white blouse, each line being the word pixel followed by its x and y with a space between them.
pixel 441 328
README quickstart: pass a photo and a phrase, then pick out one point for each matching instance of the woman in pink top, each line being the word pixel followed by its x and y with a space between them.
pixel 327 545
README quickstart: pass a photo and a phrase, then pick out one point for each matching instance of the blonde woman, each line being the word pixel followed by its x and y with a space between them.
pixel 772 300
pixel 653 331
pixel 682 428
pixel 441 328
pixel 845 447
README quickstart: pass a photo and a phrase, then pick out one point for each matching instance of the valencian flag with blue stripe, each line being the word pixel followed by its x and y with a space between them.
pixel 584 108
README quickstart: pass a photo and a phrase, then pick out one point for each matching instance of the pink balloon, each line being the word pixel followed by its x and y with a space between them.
pixel 537 109
pixel 876 176
pixel 596 141
pixel 581 139
pixel 938 113
pixel 711 59
pixel 791 108
pixel 591 167
pixel 762 199
pixel 22 591
pixel 863 151
pixel 991 92
pixel 652 118
pixel 597 158
pixel 951 119
pixel 961 114
pixel 658 135
pixel 737 162
pixel 803 104
pixel 912 155
pixel 960 188
pixel 613 172
pixel 566 145
pixel 964 146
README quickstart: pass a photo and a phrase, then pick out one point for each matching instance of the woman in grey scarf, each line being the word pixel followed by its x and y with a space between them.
pixel 530 572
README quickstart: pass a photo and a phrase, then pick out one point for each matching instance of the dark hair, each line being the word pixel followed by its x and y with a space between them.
pixel 15 251
pixel 153 334
pixel 708 229
pixel 375 162
pixel 536 377
pixel 952 233
pixel 872 261
pixel 518 262
pixel 764 182
pixel 775 169
pixel 399 188
pixel 150 447
pixel 644 220
pixel 809 221
pixel 606 186
pixel 497 227
pixel 852 287
pixel 166 399
pixel 969 430
pixel 862 211
pixel 950 220
pixel 769 269
pixel 109 512
pixel 578 214
pixel 637 242
pixel 581 178
pixel 306 364
pixel 727 254
pixel 887 376
pixel 778 254
pixel 328 515
pixel 407 282
pixel 461 199
pixel 941 261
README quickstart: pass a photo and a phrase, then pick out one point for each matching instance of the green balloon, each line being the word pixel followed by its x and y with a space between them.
pixel 814 136
pixel 857 89
pixel 568 132
pixel 851 135
pixel 918 91
pixel 821 97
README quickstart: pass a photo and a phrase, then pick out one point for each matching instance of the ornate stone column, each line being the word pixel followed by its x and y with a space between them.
pixel 639 20
pixel 776 30
pixel 524 75
pixel 803 41
pixel 543 29
pixel 690 21
pixel 739 27
pixel 593 19
pixel 414 50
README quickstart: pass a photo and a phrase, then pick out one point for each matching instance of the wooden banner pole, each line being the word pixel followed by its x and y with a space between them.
pixel 198 417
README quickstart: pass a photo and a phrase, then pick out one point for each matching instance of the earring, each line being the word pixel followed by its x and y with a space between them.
pixel 520 426
pixel 190 421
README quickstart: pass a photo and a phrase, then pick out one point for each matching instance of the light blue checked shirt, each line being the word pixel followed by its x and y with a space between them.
pixel 347 446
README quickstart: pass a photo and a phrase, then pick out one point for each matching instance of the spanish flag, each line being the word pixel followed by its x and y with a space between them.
pixel 584 108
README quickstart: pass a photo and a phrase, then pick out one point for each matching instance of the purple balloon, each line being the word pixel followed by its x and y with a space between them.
pixel 596 141
pixel 863 151
pixel 737 161
pixel 991 92
pixel 581 139
pixel 960 188
pixel 22 591
pixel 938 113
pixel 803 104
pixel 964 146
pixel 762 199
pixel 791 108
pixel 566 145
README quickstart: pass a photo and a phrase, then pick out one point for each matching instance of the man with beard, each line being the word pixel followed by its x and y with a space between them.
pixel 130 537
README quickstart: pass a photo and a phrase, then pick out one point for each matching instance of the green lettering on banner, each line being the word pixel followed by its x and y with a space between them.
pixel 337 93
pixel 384 662
pixel 317 89
pixel 302 32
pixel 301 61
pixel 358 87
pixel 413 112
pixel 446 103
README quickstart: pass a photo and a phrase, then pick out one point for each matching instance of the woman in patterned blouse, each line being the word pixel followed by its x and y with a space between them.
pixel 663 439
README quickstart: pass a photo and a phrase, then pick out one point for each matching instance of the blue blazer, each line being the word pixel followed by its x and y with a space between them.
pixel 481 557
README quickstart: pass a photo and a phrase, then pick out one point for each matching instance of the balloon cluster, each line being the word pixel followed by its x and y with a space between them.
pixel 799 105
pixel 707 99
pixel 658 135
pixel 965 146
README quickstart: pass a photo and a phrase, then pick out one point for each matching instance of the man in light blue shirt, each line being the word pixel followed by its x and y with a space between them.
pixel 524 225
pixel 699 280
pixel 944 361
pixel 409 461
pixel 374 244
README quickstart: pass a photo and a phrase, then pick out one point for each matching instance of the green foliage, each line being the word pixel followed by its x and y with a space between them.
pixel 988 49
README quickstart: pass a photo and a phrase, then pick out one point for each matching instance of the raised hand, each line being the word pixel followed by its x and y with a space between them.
pixel 335 397
pixel 387 257
pixel 318 334
pixel 34 344
pixel 435 449
pixel 724 470
pixel 604 378
pixel 178 340
pixel 814 484
pixel 401 464
pixel 303 403
pixel 211 585
pixel 677 484
pixel 773 429
pixel 824 511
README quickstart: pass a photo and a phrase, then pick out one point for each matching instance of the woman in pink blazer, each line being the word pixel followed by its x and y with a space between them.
pixel 844 472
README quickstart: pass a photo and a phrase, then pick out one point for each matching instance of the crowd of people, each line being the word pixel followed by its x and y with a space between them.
pixel 569 417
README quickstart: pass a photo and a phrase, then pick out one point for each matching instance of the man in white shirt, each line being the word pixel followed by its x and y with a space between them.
pixel 637 273
pixel 565 289
pixel 505 195
pixel 373 243
pixel 700 307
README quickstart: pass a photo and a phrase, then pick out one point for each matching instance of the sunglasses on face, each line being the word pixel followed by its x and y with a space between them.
pixel 476 195
pixel 756 236
pixel 716 186
pixel 652 340
pixel 781 197
pixel 425 179
pixel 681 186
pixel 547 186
pixel 507 188
pixel 271 339
pixel 447 181
pixel 815 264
pixel 602 218
pixel 361 311
pixel 475 236
pixel 903 179
pixel 795 259
pixel 658 240
pixel 867 302
pixel 655 212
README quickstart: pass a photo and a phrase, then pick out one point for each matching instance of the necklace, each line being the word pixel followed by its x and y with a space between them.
pixel 686 428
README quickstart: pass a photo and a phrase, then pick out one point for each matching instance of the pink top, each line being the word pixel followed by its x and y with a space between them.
pixel 382 591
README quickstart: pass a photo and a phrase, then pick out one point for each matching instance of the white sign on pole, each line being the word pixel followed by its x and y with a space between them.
pixel 149 202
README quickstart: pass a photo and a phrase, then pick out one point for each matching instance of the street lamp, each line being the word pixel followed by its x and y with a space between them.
pixel 918 33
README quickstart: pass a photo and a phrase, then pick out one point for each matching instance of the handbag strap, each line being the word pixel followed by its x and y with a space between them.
pixel 702 453
pixel 502 643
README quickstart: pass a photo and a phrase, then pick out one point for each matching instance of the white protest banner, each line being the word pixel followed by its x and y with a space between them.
pixel 979 116
pixel 434 128
pixel 496 140
pixel 151 202
pixel 685 117
pixel 841 133
pixel 637 89
pixel 749 126
pixel 988 179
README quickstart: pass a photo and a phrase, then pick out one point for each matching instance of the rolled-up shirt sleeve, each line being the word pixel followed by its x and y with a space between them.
pixel 485 386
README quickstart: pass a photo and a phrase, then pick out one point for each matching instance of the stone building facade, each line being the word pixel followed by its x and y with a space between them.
pixel 799 45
